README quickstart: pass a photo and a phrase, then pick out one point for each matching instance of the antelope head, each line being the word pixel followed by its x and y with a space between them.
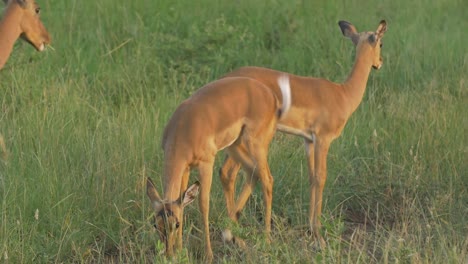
pixel 366 41
pixel 32 29
pixel 168 214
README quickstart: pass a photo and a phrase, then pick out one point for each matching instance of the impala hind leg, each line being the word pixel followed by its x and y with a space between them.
pixel 255 163
pixel 238 154
pixel 263 173
pixel 228 174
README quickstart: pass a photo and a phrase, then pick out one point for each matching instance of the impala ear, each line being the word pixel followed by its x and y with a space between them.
pixel 190 194
pixel 153 195
pixel 381 29
pixel 151 191
pixel 349 31
pixel 22 3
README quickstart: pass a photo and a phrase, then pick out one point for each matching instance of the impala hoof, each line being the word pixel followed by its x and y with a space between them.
pixel 228 237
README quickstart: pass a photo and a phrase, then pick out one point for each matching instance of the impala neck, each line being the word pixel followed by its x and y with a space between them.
pixel 172 190
pixel 355 85
pixel 10 31
pixel 173 174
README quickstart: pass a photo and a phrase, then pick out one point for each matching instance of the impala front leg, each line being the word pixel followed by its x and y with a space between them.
pixel 240 155
pixel 310 152
pixel 183 188
pixel 206 173
pixel 317 184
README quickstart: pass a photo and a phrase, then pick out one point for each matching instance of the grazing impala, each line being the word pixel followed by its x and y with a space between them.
pixel 319 112
pixel 237 114
pixel 21 19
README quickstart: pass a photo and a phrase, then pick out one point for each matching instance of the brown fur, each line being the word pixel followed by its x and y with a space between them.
pixel 319 111
pixel 237 114
pixel 21 19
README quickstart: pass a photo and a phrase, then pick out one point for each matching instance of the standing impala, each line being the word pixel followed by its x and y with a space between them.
pixel 319 112
pixel 237 114
pixel 21 19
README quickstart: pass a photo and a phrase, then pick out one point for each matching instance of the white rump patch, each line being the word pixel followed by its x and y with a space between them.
pixel 283 82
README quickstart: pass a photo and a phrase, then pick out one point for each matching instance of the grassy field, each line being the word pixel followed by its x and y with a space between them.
pixel 82 125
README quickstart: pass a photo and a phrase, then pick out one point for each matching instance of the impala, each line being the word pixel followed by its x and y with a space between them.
pixel 319 111
pixel 237 114
pixel 21 19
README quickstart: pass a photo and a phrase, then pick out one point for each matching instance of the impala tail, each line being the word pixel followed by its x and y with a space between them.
pixel 283 82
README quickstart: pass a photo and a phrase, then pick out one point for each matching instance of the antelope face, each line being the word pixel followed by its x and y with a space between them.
pixel 375 40
pixel 168 214
pixel 376 46
pixel 167 223
pixel 369 42
pixel 33 31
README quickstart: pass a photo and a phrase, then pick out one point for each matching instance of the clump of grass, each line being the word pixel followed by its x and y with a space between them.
pixel 3 149
pixel 81 122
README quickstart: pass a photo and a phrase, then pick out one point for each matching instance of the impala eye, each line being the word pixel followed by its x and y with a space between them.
pixel 381 45
pixel 38 10
pixel 177 225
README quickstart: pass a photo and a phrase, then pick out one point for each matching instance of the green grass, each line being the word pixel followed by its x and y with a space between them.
pixel 82 126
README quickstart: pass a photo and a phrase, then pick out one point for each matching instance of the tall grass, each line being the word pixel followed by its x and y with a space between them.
pixel 82 124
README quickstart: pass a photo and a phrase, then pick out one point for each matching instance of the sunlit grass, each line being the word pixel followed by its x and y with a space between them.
pixel 81 125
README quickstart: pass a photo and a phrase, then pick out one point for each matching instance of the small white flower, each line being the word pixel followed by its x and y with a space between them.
pixel 36 214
